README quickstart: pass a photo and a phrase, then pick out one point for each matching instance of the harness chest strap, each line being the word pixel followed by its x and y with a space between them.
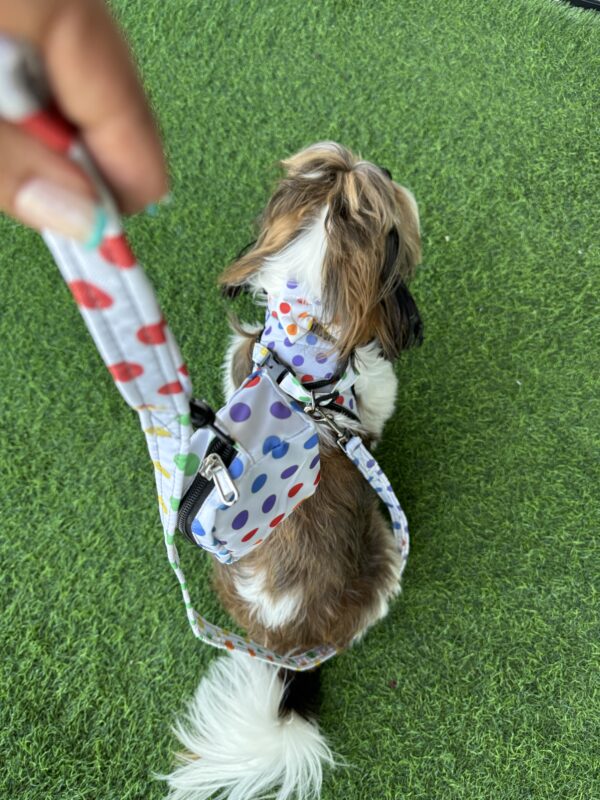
pixel 121 311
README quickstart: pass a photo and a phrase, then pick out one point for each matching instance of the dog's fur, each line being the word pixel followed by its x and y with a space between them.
pixel 351 235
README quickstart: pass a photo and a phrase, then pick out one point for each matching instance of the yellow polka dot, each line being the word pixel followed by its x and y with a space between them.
pixel 162 504
pixel 157 432
pixel 161 469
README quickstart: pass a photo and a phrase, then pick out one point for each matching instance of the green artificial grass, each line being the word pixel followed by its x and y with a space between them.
pixel 482 683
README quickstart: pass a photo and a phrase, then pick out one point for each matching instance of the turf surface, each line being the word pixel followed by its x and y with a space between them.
pixel 483 681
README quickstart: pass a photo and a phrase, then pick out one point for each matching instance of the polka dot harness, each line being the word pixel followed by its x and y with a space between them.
pixel 272 458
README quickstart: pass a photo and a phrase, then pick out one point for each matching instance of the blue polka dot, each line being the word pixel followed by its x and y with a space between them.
pixel 351 403
pixel 240 520
pixel 197 528
pixel 270 443
pixel 289 471
pixel 269 503
pixel 311 338
pixel 312 442
pixel 280 326
pixel 296 406
pixel 297 361
pixel 236 468
pixel 280 450
pixel 258 483
pixel 370 463
pixel 315 461
pixel 287 342
pixel 397 526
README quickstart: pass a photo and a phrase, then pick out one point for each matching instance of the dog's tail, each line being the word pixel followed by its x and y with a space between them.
pixel 250 729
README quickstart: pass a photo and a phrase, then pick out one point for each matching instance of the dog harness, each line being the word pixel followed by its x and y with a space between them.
pixel 121 311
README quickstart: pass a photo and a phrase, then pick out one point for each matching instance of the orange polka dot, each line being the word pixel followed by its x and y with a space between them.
pixel 303 315
pixel 229 645
pixel 292 330
pixel 251 652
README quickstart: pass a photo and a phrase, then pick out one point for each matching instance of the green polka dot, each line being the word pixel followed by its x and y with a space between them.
pixel 184 419
pixel 174 564
pixel 175 503
pixel 170 538
pixel 189 464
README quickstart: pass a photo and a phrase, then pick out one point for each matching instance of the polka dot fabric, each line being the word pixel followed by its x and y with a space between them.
pixel 272 471
pixel 120 309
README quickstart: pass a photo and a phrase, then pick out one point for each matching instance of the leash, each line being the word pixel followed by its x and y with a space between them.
pixel 121 311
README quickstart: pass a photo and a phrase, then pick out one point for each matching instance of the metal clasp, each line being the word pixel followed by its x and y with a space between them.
pixel 316 413
pixel 214 469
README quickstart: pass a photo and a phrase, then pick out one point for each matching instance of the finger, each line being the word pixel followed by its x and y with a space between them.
pixel 43 189
pixel 96 86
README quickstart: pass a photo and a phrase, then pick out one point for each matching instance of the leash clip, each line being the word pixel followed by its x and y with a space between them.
pixel 214 469
pixel 316 413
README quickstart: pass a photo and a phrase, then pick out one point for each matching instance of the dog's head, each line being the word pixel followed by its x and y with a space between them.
pixel 352 234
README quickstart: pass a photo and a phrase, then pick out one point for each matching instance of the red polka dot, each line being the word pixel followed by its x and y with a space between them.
pixel 295 489
pixel 339 400
pixel 285 308
pixel 229 645
pixel 51 129
pixel 116 250
pixel 307 378
pixel 252 382
pixel 153 334
pixel 89 296
pixel 171 388
pixel 249 535
pixel 125 371
pixel 251 652
pixel 184 370
pixel 318 478
pixel 259 541
pixel 274 314
pixel 276 521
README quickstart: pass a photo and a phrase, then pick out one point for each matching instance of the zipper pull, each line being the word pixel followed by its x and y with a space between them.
pixel 214 469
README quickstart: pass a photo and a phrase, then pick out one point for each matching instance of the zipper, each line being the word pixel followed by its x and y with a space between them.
pixel 215 462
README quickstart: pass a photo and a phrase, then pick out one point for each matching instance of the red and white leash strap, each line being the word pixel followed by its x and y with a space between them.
pixel 120 309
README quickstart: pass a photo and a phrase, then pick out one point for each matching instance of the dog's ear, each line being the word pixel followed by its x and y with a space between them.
pixel 400 325
pixel 229 289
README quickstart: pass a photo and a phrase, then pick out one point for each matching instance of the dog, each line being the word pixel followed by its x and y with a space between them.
pixel 339 239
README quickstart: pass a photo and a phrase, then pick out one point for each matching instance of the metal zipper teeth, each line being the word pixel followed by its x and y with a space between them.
pixel 200 488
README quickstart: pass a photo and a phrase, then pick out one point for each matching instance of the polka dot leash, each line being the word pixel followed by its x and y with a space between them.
pixel 120 309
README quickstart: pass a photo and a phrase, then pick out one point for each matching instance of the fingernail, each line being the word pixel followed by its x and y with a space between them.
pixel 43 204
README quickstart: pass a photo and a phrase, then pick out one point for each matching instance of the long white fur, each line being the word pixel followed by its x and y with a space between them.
pixel 272 612
pixel 243 748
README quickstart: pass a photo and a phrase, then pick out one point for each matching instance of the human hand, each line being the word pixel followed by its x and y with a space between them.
pixel 95 85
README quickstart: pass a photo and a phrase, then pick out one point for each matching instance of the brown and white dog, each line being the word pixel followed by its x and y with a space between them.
pixel 350 235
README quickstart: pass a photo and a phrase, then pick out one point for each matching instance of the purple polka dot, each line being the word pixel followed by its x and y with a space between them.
pixel 239 412
pixel 236 468
pixel 289 471
pixel 258 483
pixel 315 461
pixel 280 410
pixel 271 345
pixel 370 463
pixel 351 403
pixel 240 520
pixel 297 361
pixel 328 375
pixel 269 503
pixel 311 338
pixel 292 285
pixel 287 342
pixel 321 358
pixel 267 331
